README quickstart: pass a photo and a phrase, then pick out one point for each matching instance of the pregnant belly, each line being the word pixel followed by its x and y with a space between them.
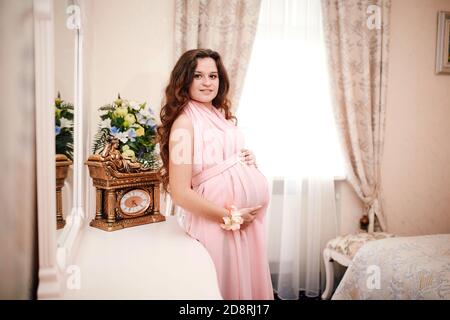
pixel 241 185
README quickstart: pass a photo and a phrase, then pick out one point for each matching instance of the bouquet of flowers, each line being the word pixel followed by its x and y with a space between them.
pixel 134 125
pixel 63 127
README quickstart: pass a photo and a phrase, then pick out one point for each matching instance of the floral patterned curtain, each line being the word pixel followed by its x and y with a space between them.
pixel 357 39
pixel 225 26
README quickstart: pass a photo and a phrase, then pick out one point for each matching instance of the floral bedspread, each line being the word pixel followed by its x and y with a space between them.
pixel 399 268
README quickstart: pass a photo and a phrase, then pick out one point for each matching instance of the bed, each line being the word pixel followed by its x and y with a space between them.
pixel 399 268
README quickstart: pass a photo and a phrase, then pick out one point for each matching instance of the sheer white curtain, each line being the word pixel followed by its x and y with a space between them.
pixel 286 115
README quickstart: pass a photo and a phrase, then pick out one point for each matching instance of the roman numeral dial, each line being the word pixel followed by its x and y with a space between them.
pixel 135 202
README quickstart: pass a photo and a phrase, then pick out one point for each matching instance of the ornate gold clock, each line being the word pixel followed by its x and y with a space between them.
pixel 126 195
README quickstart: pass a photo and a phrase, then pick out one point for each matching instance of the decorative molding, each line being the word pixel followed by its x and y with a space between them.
pixel 49 275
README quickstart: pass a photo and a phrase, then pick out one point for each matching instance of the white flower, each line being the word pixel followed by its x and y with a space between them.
pixel 122 136
pixel 230 224
pixel 146 113
pixel 134 105
pixel 233 221
pixel 65 123
pixel 106 123
pixel 140 118
pixel 125 103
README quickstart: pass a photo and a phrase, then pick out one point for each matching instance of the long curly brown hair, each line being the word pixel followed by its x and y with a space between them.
pixel 177 97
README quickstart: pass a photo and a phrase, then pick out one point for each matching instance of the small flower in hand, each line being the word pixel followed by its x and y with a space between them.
pixel 233 221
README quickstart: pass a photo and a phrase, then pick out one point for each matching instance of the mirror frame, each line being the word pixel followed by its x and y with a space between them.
pixel 67 242
pixel 55 255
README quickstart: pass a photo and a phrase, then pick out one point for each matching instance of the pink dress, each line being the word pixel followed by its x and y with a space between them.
pixel 239 256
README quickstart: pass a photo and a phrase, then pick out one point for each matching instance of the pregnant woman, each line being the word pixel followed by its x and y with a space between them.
pixel 210 175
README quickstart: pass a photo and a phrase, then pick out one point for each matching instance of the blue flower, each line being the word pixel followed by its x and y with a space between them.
pixel 151 123
pixel 57 130
pixel 132 134
pixel 114 131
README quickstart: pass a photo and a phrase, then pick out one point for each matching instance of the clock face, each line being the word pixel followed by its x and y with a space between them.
pixel 135 202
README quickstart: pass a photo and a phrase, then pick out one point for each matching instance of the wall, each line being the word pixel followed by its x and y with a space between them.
pixel 416 163
pixel 129 51
pixel 133 49
pixel 18 234
pixel 349 207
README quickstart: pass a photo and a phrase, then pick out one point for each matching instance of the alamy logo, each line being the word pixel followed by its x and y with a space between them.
pixel 374 279
pixel 374 19
pixel 74 18
pixel 74 277
pixel 213 150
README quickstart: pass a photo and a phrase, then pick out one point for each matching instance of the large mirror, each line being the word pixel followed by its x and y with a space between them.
pixel 69 149
pixel 65 58
pixel 58 61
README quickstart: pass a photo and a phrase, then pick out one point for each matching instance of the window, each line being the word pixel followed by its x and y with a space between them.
pixel 285 109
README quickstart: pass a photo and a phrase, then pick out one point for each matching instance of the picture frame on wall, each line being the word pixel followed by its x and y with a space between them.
pixel 443 43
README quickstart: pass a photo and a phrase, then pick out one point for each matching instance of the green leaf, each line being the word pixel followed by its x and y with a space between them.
pixel 100 140
pixel 107 107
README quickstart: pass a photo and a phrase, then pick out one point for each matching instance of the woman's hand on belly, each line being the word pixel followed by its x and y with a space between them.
pixel 248 157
